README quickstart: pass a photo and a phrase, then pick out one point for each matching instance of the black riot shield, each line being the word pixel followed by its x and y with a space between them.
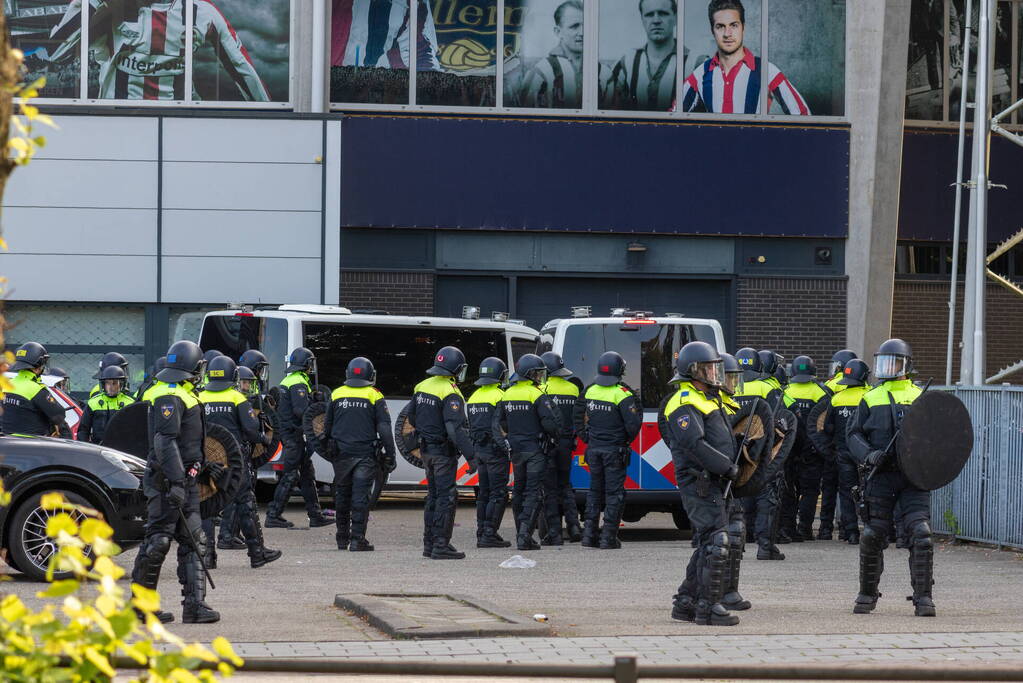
pixel 935 441
pixel 784 437
pixel 271 427
pixel 406 440
pixel 816 427
pixel 128 430
pixel 754 421
pixel 314 424
pixel 220 447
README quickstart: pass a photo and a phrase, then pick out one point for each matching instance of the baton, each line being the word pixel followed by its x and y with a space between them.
pixel 895 436
pixel 195 549
pixel 745 439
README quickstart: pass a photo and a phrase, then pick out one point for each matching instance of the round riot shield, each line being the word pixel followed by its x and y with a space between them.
pixel 222 448
pixel 128 430
pixel 817 426
pixel 935 440
pixel 784 436
pixel 271 426
pixel 314 424
pixel 406 440
pixel 751 427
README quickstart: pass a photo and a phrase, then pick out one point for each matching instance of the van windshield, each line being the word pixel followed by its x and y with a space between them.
pixel 401 354
pixel 649 351
pixel 233 335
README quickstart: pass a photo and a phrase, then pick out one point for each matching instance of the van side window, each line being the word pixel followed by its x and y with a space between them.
pixel 232 335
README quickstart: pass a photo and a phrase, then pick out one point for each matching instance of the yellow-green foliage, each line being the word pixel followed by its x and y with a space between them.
pixel 90 619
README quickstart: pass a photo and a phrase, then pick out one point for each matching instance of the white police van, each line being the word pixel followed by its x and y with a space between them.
pixel 401 348
pixel 650 345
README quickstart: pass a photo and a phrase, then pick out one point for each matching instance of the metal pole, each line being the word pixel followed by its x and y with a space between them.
pixel 319 57
pixel 959 192
pixel 981 138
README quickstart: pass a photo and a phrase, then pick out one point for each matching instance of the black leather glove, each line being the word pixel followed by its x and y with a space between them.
pixel 388 463
pixel 215 471
pixel 319 397
pixel 732 473
pixel 874 458
pixel 471 462
pixel 176 494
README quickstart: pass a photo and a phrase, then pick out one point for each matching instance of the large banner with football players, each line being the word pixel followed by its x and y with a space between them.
pixel 136 48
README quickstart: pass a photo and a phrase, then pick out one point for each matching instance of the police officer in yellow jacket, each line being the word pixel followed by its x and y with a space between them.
pixel 877 419
pixel 493 461
pixel 109 359
pixel 703 452
pixel 102 407
pixel 559 497
pixel 29 407
pixel 803 392
pixel 829 473
pixel 437 412
pixel 607 418
pixel 529 419
pixel 358 442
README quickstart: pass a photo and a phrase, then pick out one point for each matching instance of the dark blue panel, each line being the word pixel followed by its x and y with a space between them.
pixel 596 176
pixel 927 202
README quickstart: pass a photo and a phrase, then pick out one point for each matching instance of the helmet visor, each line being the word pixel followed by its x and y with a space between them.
pixel 834 368
pixel 889 366
pixel 460 375
pixel 200 370
pixel 710 372
pixel 262 372
pixel 538 376
pixel 733 381
pixel 112 387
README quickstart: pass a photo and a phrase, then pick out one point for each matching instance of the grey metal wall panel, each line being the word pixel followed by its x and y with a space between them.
pixel 241 233
pixel 45 230
pixel 115 138
pixel 265 187
pixel 332 215
pixel 242 140
pixel 189 279
pixel 79 278
pixel 75 183
pixel 485 251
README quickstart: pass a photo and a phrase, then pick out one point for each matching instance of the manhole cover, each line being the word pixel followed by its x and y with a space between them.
pixel 437 615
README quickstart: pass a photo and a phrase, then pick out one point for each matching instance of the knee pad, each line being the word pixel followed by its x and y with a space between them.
pixel 158 547
pixel 872 541
pixel 718 544
pixel 921 534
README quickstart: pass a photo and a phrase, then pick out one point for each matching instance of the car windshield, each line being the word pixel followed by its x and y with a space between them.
pixel 649 351
pixel 401 354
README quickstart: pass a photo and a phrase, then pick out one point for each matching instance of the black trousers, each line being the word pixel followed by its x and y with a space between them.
pixel 810 469
pixel 708 513
pixel 829 492
pixel 353 481
pixel 607 489
pixel 848 477
pixel 493 468
pixel 559 497
pixel 441 466
pixel 298 469
pixel 529 469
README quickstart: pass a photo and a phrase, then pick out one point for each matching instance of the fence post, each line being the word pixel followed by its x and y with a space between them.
pixel 1002 500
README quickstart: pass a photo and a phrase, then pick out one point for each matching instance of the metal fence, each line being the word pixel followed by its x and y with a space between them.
pixel 985 503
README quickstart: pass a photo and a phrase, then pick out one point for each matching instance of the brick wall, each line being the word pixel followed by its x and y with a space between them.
pixel 407 293
pixel 920 316
pixel 793 316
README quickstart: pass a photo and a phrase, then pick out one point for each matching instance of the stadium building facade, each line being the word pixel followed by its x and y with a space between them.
pixel 791 180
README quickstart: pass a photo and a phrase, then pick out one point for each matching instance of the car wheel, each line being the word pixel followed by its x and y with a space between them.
pixel 31 548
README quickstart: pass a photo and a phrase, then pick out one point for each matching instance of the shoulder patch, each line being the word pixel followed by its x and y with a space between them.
pixel 455 405
pixel 167 409
pixel 683 422
pixel 252 414
pixel 49 398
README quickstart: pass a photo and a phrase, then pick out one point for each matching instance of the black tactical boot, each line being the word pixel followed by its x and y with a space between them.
pixel 871 566
pixel 714 615
pixel 163 617
pixel 489 538
pixel 824 534
pixel 445 551
pixel 769 551
pixel 921 574
pixel 683 608
pixel 526 542
pixel 609 538
pixel 265 557
pixel 320 520
pixel 360 545
pixel 575 533
pixel 553 536
pixel 784 538
pixel 342 540
pixel 589 538
pixel 231 543
pixel 199 613
pixel 276 522
pixel 806 533
pixel 732 599
pixel 853 538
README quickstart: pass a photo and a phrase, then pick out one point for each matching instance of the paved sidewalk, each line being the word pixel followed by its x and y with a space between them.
pixel 714 648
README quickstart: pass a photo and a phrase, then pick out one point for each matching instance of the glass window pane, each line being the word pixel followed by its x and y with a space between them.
pixel 369 53
pixel 240 50
pixel 102 326
pixel 232 335
pixel 1001 88
pixel 543 47
pixel 457 56
pixel 49 36
pixel 638 55
pixel 722 58
pixel 807 53
pixel 925 83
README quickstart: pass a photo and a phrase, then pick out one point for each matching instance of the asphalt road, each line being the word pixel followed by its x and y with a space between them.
pixel 584 592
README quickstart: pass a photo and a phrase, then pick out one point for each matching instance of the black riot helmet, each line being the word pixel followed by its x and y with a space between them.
pixel 256 361
pixel 555 365
pixel 221 374
pixel 768 362
pixel 856 373
pixel 749 360
pixel 492 371
pixel 360 372
pixel 184 363
pixel 803 370
pixel 245 379
pixel 112 358
pixel 208 356
pixel 700 361
pixel 610 369
pixel 839 360
pixel 733 373
pixel 530 368
pixel 781 375
pixel 112 380
pixel 302 360
pixel 893 359
pixel 65 382
pixel 29 356
pixel 449 361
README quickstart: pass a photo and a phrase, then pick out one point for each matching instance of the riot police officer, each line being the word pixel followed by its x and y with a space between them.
pixel 829 472
pixel 836 369
pixel 840 409
pixel 357 431
pixel 559 497
pixel 529 419
pixel 102 407
pixel 175 460
pixel 108 359
pixel 802 394
pixel 703 452
pixel 158 365
pixel 756 380
pixel 298 467
pixel 29 407
pixel 437 412
pixel 607 418
pixel 225 405
pixel 877 419
pixel 492 460
pixel 256 361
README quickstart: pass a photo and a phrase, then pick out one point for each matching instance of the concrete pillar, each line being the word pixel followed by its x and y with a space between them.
pixel 877 38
